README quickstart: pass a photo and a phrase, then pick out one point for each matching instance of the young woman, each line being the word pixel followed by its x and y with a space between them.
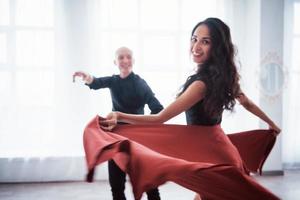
pixel 205 95
pixel 213 88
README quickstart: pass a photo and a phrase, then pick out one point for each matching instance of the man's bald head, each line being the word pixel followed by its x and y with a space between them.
pixel 123 50
pixel 124 60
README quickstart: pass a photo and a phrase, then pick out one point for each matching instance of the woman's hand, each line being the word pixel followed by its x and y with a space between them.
pixel 254 109
pixel 110 123
pixel 275 128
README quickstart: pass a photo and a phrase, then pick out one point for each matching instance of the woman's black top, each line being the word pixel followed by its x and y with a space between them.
pixel 196 115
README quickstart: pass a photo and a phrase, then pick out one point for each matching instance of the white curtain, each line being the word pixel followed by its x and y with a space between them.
pixel 291 115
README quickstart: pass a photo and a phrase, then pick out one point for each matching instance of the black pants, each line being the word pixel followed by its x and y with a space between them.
pixel 117 179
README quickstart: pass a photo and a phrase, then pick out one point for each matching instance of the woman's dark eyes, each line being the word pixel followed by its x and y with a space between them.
pixel 205 42
pixel 202 41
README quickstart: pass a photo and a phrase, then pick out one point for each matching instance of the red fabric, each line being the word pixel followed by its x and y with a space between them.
pixel 200 158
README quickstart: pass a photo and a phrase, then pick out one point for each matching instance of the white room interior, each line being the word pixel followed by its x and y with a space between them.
pixel 42 42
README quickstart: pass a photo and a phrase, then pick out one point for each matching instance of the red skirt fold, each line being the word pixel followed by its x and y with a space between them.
pixel 200 158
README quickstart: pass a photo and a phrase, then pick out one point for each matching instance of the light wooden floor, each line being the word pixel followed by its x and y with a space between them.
pixel 287 187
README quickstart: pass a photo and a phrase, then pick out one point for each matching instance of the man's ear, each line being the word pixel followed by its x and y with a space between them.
pixel 115 62
pixel 133 61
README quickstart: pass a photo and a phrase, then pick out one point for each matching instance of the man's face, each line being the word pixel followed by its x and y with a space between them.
pixel 124 60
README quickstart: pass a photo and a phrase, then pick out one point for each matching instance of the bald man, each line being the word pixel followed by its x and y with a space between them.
pixel 129 94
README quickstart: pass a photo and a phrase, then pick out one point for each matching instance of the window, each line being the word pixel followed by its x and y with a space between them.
pixel 43 41
pixel 4 12
pixel 157 31
pixel 26 74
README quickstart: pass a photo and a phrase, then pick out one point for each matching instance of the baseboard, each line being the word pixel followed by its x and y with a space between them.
pixel 14 170
pixel 55 169
pixel 273 173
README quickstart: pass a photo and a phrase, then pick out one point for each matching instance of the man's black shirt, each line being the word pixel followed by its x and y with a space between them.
pixel 129 95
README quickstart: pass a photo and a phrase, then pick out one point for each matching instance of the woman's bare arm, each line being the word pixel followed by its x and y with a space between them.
pixel 194 93
pixel 254 109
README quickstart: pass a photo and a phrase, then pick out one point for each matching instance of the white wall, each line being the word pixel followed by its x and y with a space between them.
pixel 271 43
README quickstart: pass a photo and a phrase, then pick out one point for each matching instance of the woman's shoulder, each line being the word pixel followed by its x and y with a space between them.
pixel 195 77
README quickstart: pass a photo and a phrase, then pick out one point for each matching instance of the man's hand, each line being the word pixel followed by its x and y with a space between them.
pixel 87 78
pixel 110 123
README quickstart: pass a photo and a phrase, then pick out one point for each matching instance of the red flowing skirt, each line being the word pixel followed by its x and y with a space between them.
pixel 200 158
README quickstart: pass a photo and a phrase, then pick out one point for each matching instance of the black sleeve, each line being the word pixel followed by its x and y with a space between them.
pixel 153 103
pixel 102 82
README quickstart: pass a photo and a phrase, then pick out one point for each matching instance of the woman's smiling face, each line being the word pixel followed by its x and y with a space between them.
pixel 201 44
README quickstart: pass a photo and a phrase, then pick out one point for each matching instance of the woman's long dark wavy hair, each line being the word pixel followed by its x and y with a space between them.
pixel 219 71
